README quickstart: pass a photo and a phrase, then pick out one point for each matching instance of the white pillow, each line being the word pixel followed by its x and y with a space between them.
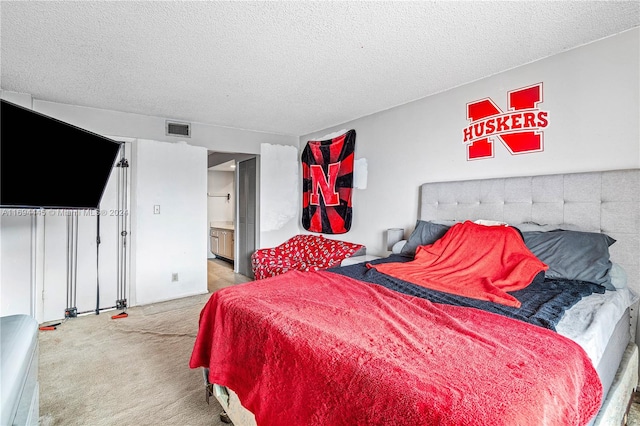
pixel 490 222
pixel 618 276
pixel 397 247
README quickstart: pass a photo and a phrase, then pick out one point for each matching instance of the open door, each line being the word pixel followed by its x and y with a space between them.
pixel 246 227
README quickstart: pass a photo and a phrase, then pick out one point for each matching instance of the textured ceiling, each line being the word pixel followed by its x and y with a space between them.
pixel 283 67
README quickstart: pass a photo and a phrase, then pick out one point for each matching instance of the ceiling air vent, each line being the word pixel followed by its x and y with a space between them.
pixel 175 128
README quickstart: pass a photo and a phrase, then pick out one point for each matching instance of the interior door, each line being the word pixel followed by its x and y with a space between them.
pixel 247 205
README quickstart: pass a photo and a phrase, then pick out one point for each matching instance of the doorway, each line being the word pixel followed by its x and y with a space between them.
pixel 244 199
pixel 221 211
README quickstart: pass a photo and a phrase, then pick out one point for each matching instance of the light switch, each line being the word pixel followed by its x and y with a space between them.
pixel 156 209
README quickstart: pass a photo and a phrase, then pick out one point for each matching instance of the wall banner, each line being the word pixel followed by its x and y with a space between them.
pixel 327 184
pixel 519 128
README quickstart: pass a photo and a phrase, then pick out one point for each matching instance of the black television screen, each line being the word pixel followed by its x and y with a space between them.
pixel 47 163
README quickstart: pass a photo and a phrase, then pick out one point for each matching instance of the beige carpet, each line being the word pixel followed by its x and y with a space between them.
pixel 95 370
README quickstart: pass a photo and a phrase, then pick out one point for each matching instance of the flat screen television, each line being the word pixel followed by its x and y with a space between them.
pixel 46 163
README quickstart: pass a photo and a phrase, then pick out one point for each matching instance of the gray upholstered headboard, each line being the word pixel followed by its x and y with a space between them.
pixel 606 202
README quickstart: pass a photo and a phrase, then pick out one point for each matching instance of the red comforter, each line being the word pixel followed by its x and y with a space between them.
pixel 318 348
pixel 482 262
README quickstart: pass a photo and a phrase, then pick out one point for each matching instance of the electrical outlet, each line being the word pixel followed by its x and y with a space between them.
pixel 174 277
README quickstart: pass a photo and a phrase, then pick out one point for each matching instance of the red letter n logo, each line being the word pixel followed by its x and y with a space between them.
pixel 325 184
pixel 519 129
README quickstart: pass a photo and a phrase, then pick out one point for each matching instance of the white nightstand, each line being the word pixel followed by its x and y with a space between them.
pixel 358 259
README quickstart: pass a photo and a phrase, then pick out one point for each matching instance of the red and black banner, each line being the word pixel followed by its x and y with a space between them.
pixel 327 183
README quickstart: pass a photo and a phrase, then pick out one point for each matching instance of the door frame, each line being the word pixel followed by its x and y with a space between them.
pixel 213 159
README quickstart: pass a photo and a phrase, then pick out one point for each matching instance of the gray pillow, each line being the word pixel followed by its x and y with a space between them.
pixel 573 255
pixel 425 232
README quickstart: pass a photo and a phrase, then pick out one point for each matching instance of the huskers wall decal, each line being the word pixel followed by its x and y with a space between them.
pixel 519 128
pixel 327 184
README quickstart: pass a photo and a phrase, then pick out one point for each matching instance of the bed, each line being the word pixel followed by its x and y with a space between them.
pixel 19 352
pixel 382 352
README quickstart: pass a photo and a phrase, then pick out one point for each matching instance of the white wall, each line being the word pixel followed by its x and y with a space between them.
pixel 16 275
pixel 591 93
pixel 219 208
pixel 280 194
pixel 117 123
pixel 172 176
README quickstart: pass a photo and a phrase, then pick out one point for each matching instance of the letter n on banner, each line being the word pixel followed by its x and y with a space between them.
pixel 327 184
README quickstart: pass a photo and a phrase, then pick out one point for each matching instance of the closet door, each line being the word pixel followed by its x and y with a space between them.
pixel 245 233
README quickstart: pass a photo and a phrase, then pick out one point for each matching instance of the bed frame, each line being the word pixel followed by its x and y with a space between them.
pixel 607 201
